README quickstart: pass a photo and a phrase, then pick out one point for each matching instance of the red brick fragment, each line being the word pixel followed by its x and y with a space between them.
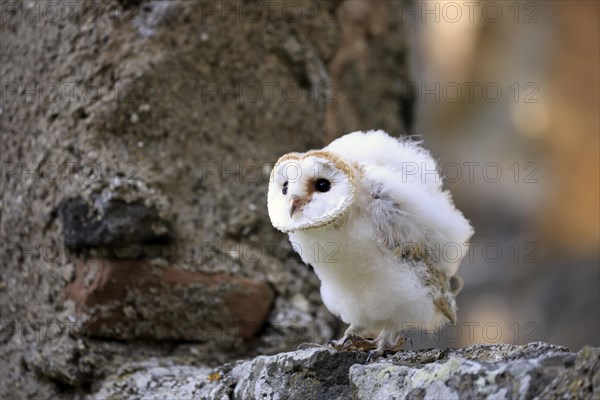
pixel 129 299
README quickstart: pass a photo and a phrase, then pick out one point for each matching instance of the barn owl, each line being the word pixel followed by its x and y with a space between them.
pixel 369 214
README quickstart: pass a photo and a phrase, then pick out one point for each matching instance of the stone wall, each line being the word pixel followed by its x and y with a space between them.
pixel 136 141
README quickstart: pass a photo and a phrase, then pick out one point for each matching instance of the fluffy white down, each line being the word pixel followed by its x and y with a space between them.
pixel 360 282
pixel 407 159
pixel 409 172
pixel 363 281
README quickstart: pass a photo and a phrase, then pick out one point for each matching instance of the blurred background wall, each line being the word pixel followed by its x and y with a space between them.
pixel 507 96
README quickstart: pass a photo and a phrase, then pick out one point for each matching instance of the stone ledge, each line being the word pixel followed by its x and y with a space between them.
pixel 535 370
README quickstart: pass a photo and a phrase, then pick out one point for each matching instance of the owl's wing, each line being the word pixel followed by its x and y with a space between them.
pixel 406 216
pixel 391 223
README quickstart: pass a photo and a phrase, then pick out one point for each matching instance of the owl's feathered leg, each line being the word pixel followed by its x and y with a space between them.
pixel 381 342
pixel 388 341
pixel 352 340
pixel 351 331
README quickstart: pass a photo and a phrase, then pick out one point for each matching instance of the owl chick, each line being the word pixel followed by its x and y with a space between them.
pixel 368 212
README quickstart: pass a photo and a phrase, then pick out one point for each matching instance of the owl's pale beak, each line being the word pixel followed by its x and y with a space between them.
pixel 294 204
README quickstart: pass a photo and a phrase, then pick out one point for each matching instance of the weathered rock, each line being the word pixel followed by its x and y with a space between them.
pixel 306 374
pixel 481 371
pixel 127 299
pixel 535 370
pixel 165 379
pixel 580 381
pixel 64 362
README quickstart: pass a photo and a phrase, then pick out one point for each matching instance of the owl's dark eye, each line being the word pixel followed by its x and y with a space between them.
pixel 284 190
pixel 322 185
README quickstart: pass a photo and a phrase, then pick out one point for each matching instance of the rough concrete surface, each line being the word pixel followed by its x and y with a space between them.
pixel 143 131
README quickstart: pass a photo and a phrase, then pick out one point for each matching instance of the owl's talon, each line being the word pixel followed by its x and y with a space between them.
pixel 335 344
pixel 308 345
pixel 349 340
pixel 397 345
pixel 412 347
pixel 352 342
pixel 339 345
pixel 374 354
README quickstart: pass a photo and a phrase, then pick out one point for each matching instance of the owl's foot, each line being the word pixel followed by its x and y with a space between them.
pixel 353 342
pixel 308 345
pixel 375 347
pixel 347 343
pixel 397 345
pixel 374 354
pixel 384 347
pixel 339 344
